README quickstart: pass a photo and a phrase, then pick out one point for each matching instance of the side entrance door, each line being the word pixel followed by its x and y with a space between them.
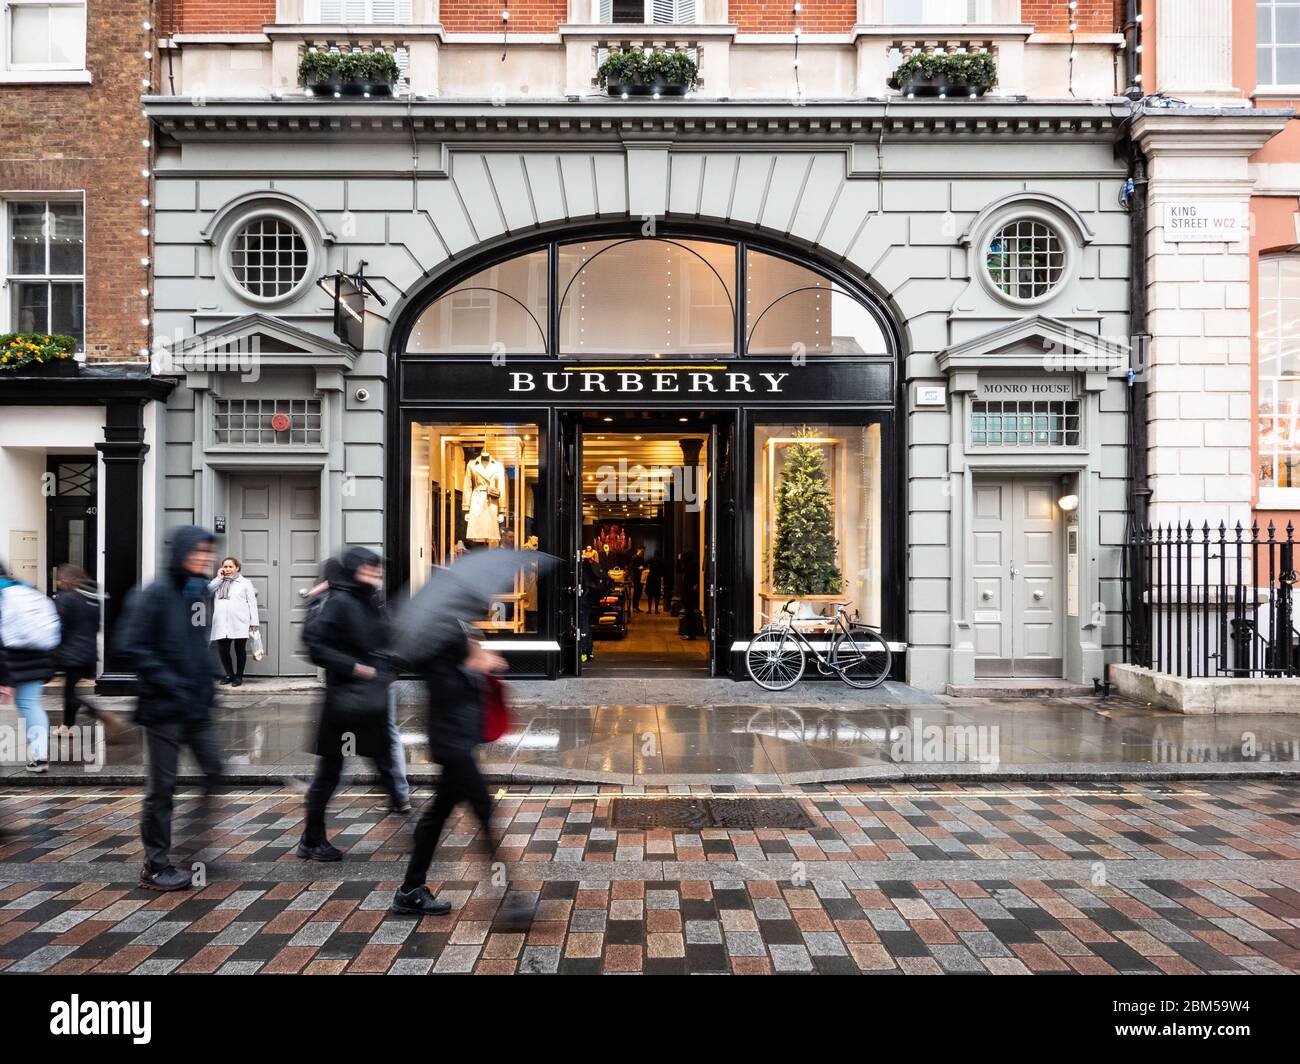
pixel 1017 578
pixel 275 534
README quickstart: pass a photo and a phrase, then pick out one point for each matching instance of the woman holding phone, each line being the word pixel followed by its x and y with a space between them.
pixel 234 618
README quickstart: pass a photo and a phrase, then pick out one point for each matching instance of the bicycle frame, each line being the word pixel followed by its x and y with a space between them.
pixel 839 627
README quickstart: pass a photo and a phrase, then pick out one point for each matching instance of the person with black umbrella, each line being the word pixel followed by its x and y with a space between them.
pixel 346 637
pixel 455 679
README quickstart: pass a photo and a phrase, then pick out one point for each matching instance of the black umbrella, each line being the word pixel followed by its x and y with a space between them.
pixel 458 595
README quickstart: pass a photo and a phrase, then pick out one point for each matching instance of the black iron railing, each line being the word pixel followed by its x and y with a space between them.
pixel 1212 602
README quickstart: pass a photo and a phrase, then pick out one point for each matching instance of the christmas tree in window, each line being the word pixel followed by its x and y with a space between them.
pixel 805 553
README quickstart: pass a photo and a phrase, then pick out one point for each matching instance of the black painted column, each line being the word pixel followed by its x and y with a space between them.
pixel 122 496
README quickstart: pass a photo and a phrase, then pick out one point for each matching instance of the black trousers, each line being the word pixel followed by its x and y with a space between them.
pixel 325 781
pixel 636 594
pixel 241 656
pixel 73 701
pixel 164 744
pixel 460 781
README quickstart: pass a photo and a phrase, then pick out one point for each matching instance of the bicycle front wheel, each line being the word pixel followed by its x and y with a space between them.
pixel 862 658
pixel 774 659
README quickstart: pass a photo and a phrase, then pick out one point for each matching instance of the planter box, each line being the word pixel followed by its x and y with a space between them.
pixel 338 85
pixel 938 86
pixel 59 367
pixel 639 87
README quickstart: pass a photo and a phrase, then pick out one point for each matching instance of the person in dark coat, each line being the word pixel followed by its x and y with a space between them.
pixel 166 637
pixel 78 605
pixel 346 637
pixel 635 567
pixel 654 584
pixel 454 679
pixel 594 587
pixel 27 671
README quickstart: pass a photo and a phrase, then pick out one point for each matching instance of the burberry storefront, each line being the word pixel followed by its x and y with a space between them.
pixel 714 356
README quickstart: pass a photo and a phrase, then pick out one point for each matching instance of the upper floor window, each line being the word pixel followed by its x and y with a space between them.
pixel 44 35
pixel 333 11
pixel 1279 371
pixel 45 267
pixel 644 12
pixel 937 12
pixel 1277 42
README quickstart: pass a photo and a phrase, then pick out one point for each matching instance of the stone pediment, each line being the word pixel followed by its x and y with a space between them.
pixel 261 341
pixel 1037 343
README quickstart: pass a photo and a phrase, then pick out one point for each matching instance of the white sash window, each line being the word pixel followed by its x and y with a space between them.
pixel 359 11
pixel 645 12
pixel 938 12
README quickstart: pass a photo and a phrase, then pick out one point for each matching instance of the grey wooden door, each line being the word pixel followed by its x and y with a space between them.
pixel 275 533
pixel 1016 578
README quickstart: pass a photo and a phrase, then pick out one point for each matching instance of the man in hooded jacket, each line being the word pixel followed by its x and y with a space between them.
pixel 166 637
pixel 346 636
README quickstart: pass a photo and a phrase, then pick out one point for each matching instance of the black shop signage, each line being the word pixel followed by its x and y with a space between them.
pixel 744 383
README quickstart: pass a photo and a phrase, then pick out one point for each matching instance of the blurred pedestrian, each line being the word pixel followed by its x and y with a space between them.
pixel 346 637
pixel 234 618
pixel 166 638
pixel 594 587
pixel 78 602
pixel 29 635
pixel 456 679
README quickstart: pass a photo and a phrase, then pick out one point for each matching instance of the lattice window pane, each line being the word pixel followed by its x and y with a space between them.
pixel 1026 259
pixel 75 478
pixel 268 257
pixel 251 422
pixel 1025 423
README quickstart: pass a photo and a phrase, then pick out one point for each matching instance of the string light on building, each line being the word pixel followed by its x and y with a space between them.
pixel 146 200
pixel 505 28
pixel 794 15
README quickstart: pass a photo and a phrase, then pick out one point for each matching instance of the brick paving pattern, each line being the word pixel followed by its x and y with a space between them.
pixel 1104 887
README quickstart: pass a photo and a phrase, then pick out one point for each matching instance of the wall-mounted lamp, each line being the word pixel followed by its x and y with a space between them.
pixel 1068 503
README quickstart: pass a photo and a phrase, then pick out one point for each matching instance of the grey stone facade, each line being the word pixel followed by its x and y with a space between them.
pixel 903 200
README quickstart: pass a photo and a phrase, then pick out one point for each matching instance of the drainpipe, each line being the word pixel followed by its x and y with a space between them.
pixel 1139 368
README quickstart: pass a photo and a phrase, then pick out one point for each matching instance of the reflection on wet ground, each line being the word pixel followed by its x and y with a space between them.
pixel 271 735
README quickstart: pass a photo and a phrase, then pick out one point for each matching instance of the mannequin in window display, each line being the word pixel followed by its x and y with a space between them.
pixel 485 485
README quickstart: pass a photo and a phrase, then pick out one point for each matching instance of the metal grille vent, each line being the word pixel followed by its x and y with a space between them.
pixel 251 422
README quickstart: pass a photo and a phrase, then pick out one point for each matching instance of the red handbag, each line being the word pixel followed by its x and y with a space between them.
pixel 496 712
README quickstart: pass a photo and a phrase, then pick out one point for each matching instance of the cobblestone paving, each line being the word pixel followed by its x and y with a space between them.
pixel 898 879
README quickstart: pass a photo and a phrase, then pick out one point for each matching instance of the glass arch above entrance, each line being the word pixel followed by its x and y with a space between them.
pixel 650 297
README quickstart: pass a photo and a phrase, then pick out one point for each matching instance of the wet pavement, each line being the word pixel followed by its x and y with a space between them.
pixel 916 736
pixel 1000 878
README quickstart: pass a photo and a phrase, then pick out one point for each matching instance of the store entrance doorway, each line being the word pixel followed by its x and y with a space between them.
pixel 644 545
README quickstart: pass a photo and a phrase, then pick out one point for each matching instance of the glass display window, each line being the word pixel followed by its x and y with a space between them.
pixel 474 486
pixel 499 310
pixel 817 531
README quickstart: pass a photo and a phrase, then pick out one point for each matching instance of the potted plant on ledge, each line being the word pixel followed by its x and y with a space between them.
pixel 38 354
pixel 348 73
pixel 636 73
pixel 952 75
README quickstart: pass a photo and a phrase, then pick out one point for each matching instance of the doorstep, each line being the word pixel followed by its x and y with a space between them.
pixel 1019 687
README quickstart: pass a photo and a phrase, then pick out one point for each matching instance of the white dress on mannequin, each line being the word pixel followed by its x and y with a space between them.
pixel 485 486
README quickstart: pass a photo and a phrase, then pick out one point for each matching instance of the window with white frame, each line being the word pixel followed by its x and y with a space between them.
pixel 45 267
pixel 362 11
pixel 1279 371
pixel 44 35
pixel 937 12
pixel 645 12
pixel 1277 42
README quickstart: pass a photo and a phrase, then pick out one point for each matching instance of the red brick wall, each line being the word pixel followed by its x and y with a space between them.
pixel 774 16
pixel 484 16
pixel 87 138
pixel 217 16
pixel 1092 16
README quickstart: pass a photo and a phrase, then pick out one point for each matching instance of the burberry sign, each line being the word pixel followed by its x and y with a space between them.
pixel 752 382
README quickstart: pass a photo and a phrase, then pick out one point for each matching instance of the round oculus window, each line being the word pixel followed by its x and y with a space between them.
pixel 1026 259
pixel 268 257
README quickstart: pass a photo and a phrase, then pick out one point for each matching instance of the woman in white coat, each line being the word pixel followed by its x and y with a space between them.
pixel 234 618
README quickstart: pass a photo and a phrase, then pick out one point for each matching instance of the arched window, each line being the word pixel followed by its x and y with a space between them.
pixel 1279 371
pixel 500 309
pixel 647 297
pixel 651 297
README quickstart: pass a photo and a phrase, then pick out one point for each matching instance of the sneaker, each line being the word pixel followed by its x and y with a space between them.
pixel 164 879
pixel 322 851
pixel 400 808
pixel 237 682
pixel 226 679
pixel 419 902
pixel 38 768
